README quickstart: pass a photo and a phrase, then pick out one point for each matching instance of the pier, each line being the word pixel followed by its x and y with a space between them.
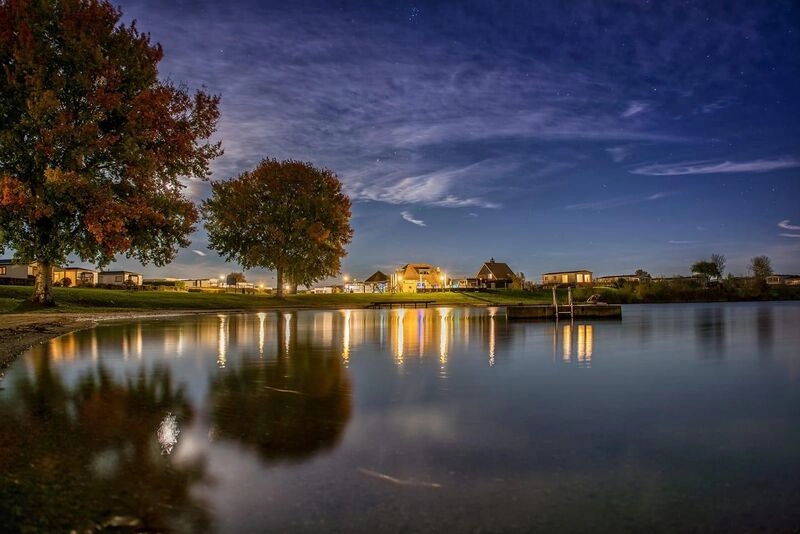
pixel 400 304
pixel 589 310
pixel 579 311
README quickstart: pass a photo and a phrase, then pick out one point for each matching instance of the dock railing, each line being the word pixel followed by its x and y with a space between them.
pixel 562 310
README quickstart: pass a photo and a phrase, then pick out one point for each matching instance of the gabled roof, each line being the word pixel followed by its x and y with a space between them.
pixel 379 276
pixel 85 269
pixel 498 270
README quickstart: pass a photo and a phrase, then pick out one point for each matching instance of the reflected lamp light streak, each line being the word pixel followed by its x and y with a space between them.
pixel 567 343
pixel 492 341
pixel 222 341
pixel 399 339
pixel 346 337
pixel 421 332
pixel 443 334
pixel 139 343
pixel 287 332
pixel 262 333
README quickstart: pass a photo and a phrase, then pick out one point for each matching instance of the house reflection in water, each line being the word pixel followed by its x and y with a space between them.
pixel 584 346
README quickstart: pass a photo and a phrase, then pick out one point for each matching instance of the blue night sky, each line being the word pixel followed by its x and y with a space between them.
pixel 550 135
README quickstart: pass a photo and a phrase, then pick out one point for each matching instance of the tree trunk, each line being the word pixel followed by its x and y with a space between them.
pixel 43 286
pixel 280 282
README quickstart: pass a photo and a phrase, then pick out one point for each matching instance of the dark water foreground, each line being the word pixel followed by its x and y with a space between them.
pixel 678 418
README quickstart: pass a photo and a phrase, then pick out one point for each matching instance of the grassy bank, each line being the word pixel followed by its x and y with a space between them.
pixel 75 299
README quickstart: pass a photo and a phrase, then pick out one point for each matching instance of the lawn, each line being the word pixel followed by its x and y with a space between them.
pixel 75 299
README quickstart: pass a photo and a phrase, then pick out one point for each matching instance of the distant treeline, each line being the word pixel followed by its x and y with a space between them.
pixel 690 290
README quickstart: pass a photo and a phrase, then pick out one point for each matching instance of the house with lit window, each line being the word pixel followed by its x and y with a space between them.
pixel 567 278
pixel 119 278
pixel 377 283
pixel 17 273
pixel 77 276
pixel 495 275
pixel 414 277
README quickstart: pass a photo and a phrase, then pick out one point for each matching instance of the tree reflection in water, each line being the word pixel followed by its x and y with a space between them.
pixel 289 408
pixel 87 457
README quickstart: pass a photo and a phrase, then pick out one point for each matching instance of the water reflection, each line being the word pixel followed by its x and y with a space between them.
pixel 290 408
pixel 287 421
pixel 86 456
pixel 765 331
pixel 583 347
pixel 709 324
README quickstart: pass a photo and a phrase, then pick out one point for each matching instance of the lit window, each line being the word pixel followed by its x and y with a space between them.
pixel 2 270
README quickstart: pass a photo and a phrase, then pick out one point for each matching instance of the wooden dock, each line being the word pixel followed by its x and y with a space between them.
pixel 579 311
pixel 400 304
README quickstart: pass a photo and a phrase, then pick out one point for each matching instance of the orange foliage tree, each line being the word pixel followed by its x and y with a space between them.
pixel 283 215
pixel 92 145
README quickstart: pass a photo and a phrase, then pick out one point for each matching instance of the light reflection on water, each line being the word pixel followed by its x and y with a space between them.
pixel 675 418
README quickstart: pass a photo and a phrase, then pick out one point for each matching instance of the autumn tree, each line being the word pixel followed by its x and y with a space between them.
pixel 286 216
pixel 761 267
pixel 93 145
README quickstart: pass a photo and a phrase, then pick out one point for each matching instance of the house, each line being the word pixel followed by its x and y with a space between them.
pixel 77 276
pixel 495 275
pixel 614 278
pixel 571 278
pixel 783 279
pixel 418 276
pixel 119 278
pixel 193 283
pixel 12 273
pixel 377 283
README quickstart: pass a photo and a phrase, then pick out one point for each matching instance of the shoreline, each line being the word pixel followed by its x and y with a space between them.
pixel 21 331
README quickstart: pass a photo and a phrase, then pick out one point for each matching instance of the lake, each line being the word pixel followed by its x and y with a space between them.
pixel 676 418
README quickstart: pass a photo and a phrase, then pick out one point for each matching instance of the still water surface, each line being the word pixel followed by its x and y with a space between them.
pixel 677 418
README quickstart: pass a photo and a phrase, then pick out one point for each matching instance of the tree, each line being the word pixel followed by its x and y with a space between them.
pixel 642 274
pixel 719 263
pixel 234 278
pixel 92 144
pixel 705 268
pixel 283 215
pixel 761 266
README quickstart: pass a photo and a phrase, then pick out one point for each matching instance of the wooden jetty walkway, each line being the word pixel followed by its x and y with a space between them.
pixel 589 310
pixel 400 304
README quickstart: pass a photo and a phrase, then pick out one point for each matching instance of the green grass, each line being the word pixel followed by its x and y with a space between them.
pixel 74 299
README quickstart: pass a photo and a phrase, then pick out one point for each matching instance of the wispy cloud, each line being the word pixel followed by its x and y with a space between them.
pixel 717 105
pixel 431 188
pixel 681 242
pixel 199 252
pixel 617 202
pixel 634 108
pixel 708 167
pixel 791 235
pixel 410 218
pixel 619 153
pixel 786 226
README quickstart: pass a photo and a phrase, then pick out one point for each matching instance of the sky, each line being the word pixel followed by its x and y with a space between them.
pixel 550 135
